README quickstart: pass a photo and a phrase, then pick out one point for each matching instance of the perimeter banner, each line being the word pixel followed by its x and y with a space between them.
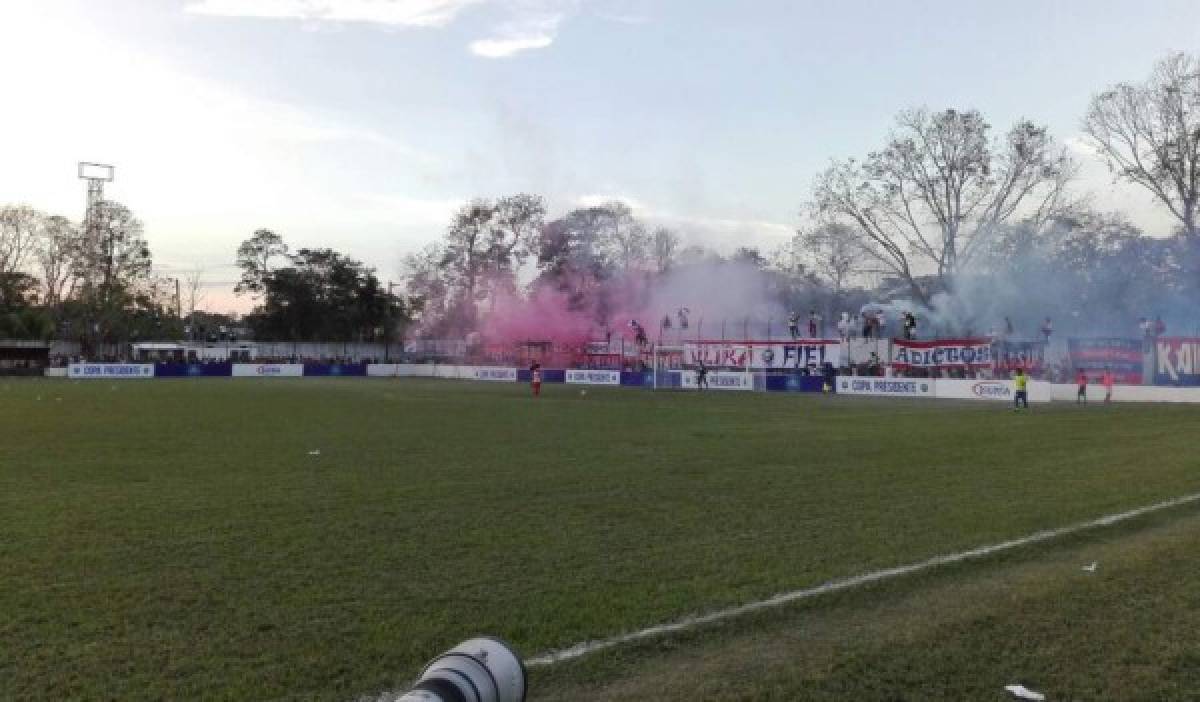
pixel 763 355
pixel 885 387
pixel 1121 356
pixel 719 381
pixel 943 353
pixel 593 377
pixel 111 371
pixel 1177 361
pixel 1029 356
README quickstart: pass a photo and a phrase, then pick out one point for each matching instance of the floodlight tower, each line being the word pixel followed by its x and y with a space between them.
pixel 96 175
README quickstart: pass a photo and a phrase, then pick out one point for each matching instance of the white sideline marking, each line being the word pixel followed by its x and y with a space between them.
pixel 582 649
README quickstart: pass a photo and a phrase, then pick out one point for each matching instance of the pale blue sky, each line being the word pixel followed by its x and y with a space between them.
pixel 360 124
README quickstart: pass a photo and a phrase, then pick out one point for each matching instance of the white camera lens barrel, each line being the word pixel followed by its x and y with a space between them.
pixel 484 669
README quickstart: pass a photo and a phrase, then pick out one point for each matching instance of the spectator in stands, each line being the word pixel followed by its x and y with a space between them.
pixel 867 325
pixel 794 325
pixel 1160 327
pixel 843 327
pixel 873 364
pixel 881 325
pixel 701 376
pixel 814 321
pixel 1047 330
pixel 1008 328
pixel 910 326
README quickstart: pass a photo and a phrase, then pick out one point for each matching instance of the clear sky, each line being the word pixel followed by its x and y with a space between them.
pixel 362 124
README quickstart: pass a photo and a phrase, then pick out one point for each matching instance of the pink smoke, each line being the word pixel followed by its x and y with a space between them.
pixel 544 316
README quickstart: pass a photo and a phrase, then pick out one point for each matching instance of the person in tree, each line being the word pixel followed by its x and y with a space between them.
pixel 639 333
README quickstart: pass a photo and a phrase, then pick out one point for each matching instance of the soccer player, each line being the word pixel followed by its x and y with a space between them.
pixel 535 378
pixel 702 376
pixel 1081 381
pixel 1021 384
pixel 1107 380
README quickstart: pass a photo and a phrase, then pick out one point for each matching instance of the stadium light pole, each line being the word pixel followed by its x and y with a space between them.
pixel 96 175
pixel 387 338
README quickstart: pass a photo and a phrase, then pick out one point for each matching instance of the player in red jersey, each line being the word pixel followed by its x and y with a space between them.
pixel 535 378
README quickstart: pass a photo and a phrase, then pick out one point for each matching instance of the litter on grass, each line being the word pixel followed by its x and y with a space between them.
pixel 1023 693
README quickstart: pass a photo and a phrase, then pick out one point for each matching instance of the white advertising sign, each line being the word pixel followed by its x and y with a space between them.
pixel 885 387
pixel 1001 390
pixel 593 377
pixel 504 375
pixel 718 380
pixel 268 370
pixel 111 371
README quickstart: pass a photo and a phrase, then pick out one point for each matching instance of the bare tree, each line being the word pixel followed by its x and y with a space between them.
pixel 834 253
pixel 624 239
pixel 665 245
pixel 517 221
pixel 20 228
pixel 57 253
pixel 940 188
pixel 193 288
pixel 1150 135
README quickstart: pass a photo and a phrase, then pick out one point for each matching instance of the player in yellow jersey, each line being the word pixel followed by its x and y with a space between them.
pixel 1021 385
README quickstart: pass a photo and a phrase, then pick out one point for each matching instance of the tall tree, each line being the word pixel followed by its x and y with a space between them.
pixel 1149 133
pixel 665 246
pixel 20 227
pixel 256 257
pixel 833 252
pixel 939 190
pixel 321 295
pixel 57 252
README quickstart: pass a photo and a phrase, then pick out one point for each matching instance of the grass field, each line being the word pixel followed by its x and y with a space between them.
pixel 177 540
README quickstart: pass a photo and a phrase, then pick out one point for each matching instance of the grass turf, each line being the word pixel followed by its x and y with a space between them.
pixel 176 539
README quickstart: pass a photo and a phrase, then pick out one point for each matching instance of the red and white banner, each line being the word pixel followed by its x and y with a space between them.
pixel 763 355
pixel 943 353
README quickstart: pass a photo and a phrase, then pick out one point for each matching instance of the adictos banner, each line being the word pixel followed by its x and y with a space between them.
pixel 944 353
